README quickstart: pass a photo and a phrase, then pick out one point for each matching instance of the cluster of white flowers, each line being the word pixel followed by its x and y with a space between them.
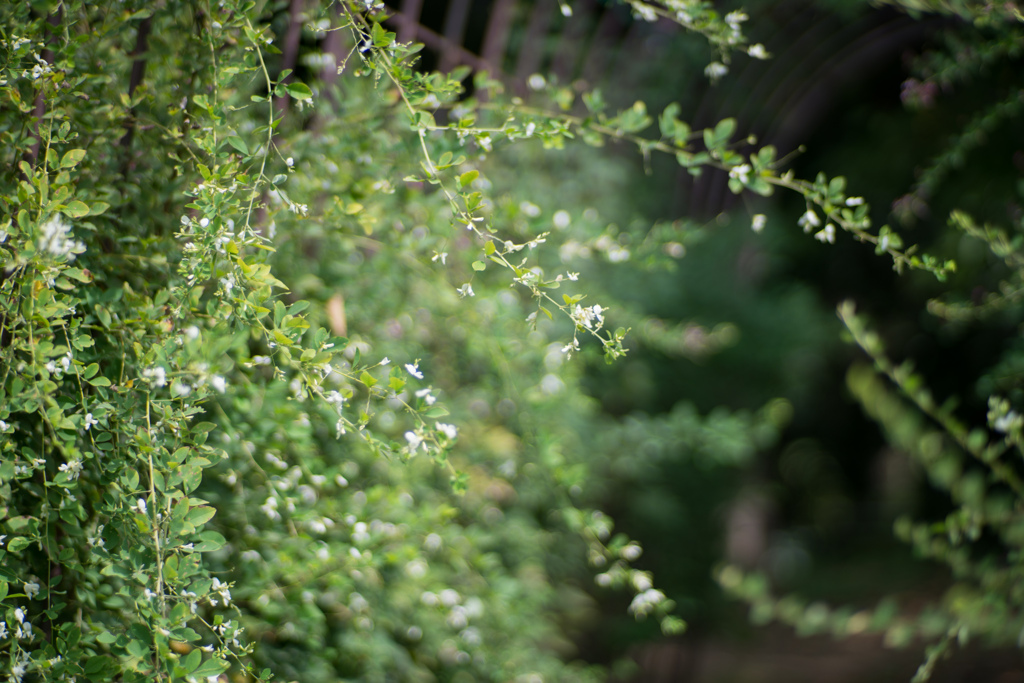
pixel 223 590
pixel 741 173
pixel 827 234
pixel 58 368
pixel 809 220
pixel 644 602
pixel 54 238
pixel 590 317
pixel 156 375
pixel 73 469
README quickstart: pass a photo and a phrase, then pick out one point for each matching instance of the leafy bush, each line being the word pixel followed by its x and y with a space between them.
pixel 269 404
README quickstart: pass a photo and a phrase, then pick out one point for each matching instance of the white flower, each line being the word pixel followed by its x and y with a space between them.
pixel 466 290
pixel 415 441
pixel 566 10
pixel 448 430
pixel 385 360
pixel 631 552
pixel 828 234
pixel 741 172
pixel 644 602
pixel 809 220
pixel 54 238
pixel 758 222
pixel 90 421
pixel 180 389
pixel 31 589
pixel 536 82
pixel 19 614
pixel 715 70
pixel 414 369
pixel 218 383
pixel 4 426
pixel 157 376
pixel 203 222
pixel 140 505
pixel 734 19
pixel 758 52
pixel 73 468
pixel 854 201
pixel 289 162
pixel 3 629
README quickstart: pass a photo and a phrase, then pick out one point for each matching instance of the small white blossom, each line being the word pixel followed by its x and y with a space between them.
pixel 757 51
pixel 828 234
pixel 90 421
pixel 631 552
pixel 415 441
pixel 566 9
pixel 715 70
pixel 414 370
pixel 31 589
pixel 140 505
pixel 854 201
pixel 809 220
pixel 73 468
pixel 466 290
pixel 536 82
pixel 385 360
pixel 289 162
pixel 442 257
pixel 758 222
pixel 218 383
pixel 204 222
pixel 646 601
pixel 156 375
pixel 448 430
pixel 741 173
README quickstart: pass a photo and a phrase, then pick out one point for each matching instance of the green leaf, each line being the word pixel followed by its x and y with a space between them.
pixel 199 516
pixel 239 144
pixel 299 91
pixel 367 379
pixel 467 177
pixel 99 381
pixel 72 158
pixel 211 667
pixel 16 545
pixel 76 209
pixel 209 541
pixel 192 660
pixel 479 265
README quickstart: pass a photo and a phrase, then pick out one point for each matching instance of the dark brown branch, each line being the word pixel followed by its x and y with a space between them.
pixel 135 79
pixel 40 103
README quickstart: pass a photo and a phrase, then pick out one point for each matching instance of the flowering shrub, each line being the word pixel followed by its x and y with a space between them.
pixel 286 382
